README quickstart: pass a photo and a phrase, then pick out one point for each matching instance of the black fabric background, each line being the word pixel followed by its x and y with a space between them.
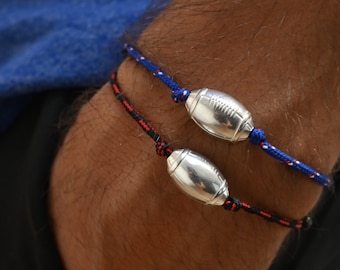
pixel 27 151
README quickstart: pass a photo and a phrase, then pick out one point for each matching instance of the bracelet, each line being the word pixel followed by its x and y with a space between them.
pixel 224 117
pixel 196 176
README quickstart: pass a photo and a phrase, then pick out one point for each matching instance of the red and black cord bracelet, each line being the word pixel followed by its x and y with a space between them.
pixel 219 196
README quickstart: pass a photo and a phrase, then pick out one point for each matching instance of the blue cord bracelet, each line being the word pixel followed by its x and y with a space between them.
pixel 255 135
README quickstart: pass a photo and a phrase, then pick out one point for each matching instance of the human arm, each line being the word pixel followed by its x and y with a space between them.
pixel 111 198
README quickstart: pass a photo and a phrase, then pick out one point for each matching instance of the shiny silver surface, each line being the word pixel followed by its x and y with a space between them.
pixel 219 114
pixel 197 177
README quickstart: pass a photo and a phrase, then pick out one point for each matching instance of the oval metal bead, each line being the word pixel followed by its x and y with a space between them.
pixel 197 177
pixel 219 114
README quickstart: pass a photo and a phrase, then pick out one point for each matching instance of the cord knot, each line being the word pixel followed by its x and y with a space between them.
pixel 180 95
pixel 232 204
pixel 257 136
pixel 162 149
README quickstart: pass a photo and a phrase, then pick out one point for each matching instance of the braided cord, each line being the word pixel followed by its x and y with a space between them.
pixel 178 94
pixel 233 204
pixel 258 137
pixel 162 149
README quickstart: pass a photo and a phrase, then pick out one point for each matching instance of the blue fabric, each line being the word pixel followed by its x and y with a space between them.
pixel 54 44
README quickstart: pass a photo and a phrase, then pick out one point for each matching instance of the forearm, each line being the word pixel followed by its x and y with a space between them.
pixel 270 56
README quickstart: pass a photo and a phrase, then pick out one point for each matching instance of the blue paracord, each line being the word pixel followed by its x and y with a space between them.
pixel 257 136
pixel 178 94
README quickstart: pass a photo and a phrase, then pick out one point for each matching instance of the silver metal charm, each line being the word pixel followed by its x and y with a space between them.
pixel 219 114
pixel 197 177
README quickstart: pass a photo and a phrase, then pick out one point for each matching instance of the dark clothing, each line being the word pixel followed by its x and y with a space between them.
pixel 28 149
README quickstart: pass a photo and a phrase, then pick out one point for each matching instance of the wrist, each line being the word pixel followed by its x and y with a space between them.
pixel 270 77
pixel 116 170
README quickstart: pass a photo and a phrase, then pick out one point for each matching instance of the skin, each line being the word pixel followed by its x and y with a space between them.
pixel 112 202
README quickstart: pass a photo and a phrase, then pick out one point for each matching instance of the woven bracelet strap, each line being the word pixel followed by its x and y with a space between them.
pixel 227 118
pixel 195 175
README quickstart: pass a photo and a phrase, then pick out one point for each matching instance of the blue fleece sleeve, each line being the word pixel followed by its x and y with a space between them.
pixel 55 44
